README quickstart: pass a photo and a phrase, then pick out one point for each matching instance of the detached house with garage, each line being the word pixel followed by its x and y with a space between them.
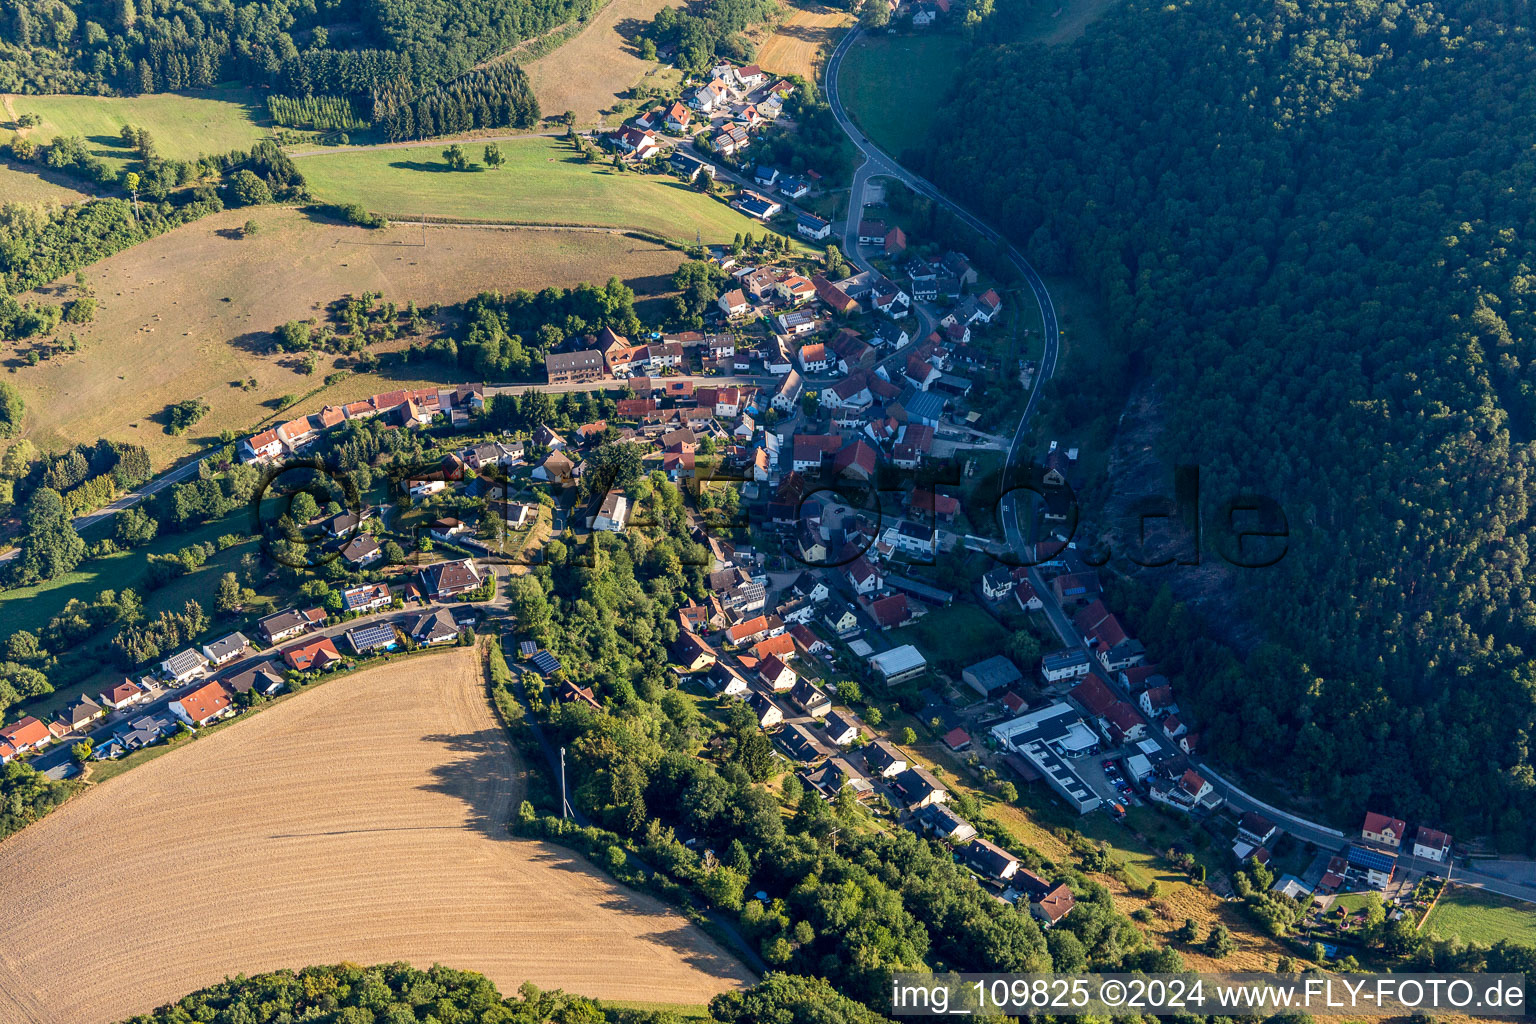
pixel 203 705
pixel 449 579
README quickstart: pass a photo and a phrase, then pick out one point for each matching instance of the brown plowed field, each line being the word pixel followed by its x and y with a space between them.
pixel 362 822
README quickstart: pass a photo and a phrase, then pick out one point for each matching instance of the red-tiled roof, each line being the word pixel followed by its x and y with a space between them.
pixel 205 702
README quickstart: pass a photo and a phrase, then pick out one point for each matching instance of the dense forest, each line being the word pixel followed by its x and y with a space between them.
pixel 349 48
pixel 401 994
pixel 1311 224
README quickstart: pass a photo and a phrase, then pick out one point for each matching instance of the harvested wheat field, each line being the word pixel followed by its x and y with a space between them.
pixel 796 48
pixel 362 821
pixel 189 314
pixel 588 74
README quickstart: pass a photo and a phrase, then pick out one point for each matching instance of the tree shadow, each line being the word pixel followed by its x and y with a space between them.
pixel 437 168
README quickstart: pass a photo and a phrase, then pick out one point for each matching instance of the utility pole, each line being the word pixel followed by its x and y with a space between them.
pixel 564 804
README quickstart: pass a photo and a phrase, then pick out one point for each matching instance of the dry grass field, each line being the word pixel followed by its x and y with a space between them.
pixel 587 74
pixel 362 821
pixel 803 41
pixel 26 187
pixel 184 315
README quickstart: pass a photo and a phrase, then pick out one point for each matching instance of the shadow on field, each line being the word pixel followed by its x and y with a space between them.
pixel 440 168
pixel 480 776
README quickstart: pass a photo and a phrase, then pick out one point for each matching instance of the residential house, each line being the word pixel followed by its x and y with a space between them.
pixel 637 142
pixel 945 824
pixel 918 788
pixel 692 654
pixel 226 649
pixel 802 744
pixel 362 551
pixel 1380 828
pixel 556 468
pixel 808 225
pixel 997 583
pixel 787 397
pixel 435 628
pixel 1158 701
pixel 1256 830
pixel 890 611
pixel 841 620
pixel 872 232
pixel 833 297
pixel 862 576
pixel 1063 665
pixel 207 703
pixel 613 515
pixel 377 636
pixel 727 682
pixel 813 358
pixel 573 367
pixel 367 597
pixel 1050 907
pixel 842 728
pixel 884 759
pixel 449 579
pixel 989 860
pixel 261 447
pixel 811 698
pixel 183 666
pixel 26 734
pixel 570 693
pixel 76 715
pixel 261 678
pixel 733 303
pixel 768 713
pixel 679 118
pixel 1376 865
pixel 124 694
pixel 776 675
pixel 755 205
pixel 317 655
pixel 1432 844
pixel 835 775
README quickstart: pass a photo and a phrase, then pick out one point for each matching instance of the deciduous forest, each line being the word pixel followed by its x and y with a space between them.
pixel 1311 223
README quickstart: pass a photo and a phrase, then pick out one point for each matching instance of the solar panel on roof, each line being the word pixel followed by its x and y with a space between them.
pixel 1362 857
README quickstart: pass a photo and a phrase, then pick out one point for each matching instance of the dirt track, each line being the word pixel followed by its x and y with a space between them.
pixel 358 822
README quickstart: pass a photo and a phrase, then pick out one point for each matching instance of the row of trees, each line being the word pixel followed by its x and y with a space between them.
pixel 1351 335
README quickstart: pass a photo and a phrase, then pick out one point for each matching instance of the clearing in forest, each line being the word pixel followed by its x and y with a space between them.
pixel 188 315
pixel 894 85
pixel 362 821
pixel 183 125
pixel 544 181
pixel 588 74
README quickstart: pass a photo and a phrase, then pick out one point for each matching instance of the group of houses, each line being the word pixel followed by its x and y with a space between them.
pixel 734 103
pixel 215 698
pixel 770 653
pixel 411 409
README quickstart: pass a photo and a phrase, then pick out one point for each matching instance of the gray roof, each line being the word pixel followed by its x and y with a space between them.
pixel 232 644
pixel 366 638
pixel 994 673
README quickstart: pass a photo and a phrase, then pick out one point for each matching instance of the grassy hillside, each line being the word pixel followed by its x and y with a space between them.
pixel 183 126
pixel 544 182
pixel 893 85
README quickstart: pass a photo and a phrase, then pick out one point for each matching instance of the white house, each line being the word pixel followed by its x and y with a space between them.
pixel 614 514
